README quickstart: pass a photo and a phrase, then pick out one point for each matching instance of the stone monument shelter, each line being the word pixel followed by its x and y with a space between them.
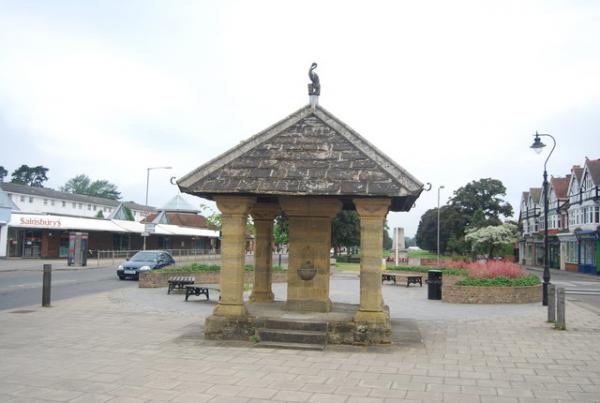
pixel 309 165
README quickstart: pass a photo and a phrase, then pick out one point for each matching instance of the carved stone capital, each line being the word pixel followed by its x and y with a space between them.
pixel 372 207
pixel 265 211
pixel 234 204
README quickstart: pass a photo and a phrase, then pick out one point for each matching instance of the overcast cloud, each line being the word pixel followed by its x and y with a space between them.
pixel 452 91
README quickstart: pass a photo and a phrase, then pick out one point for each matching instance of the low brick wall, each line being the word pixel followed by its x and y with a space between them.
pixel 154 279
pixel 457 294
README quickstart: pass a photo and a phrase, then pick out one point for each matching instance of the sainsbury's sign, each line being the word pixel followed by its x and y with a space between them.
pixel 45 222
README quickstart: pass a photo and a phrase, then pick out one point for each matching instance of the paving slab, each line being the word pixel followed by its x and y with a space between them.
pixel 142 345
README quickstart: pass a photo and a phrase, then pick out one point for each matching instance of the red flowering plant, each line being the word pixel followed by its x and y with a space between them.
pixel 497 273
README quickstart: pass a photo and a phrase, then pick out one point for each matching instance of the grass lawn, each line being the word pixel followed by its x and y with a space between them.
pixel 347 266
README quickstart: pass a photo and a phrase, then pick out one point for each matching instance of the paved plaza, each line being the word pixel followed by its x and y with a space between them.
pixel 141 345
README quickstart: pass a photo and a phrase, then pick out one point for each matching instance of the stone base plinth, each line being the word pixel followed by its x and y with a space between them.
pixel 229 327
pixel 373 327
pixel 342 326
pixel 308 305
pixel 261 296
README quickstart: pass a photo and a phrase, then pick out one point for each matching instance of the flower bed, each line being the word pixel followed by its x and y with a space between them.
pixel 493 282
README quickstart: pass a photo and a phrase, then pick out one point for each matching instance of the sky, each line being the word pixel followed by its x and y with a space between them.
pixel 451 91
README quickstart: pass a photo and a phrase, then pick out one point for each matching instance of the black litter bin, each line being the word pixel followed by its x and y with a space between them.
pixel 434 284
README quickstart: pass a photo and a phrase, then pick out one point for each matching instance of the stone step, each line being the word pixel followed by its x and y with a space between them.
pixel 295 346
pixel 293 336
pixel 296 325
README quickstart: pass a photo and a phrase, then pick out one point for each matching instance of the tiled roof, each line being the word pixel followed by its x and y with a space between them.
pixel 55 194
pixel 577 171
pixel 594 169
pixel 560 186
pixel 184 220
pixel 310 153
pixel 535 194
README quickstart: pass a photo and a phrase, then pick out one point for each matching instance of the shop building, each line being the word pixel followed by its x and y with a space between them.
pixel 573 222
pixel 34 233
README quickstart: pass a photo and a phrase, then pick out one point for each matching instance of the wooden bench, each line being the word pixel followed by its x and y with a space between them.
pixel 197 290
pixel 178 282
pixel 411 278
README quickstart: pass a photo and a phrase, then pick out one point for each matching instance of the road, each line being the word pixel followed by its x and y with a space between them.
pixel 21 280
pixel 21 288
pixel 583 289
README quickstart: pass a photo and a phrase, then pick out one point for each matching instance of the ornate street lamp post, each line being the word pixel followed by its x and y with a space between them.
pixel 537 147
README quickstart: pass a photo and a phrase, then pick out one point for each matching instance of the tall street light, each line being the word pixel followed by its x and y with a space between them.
pixel 537 146
pixel 438 226
pixel 146 204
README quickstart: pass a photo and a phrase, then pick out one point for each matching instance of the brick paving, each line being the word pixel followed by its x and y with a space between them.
pixel 133 345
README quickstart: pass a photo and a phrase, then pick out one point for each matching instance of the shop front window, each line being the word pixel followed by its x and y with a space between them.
pixel 571 252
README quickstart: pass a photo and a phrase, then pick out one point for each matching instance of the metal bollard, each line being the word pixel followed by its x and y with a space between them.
pixel 552 303
pixel 280 260
pixel 560 309
pixel 46 285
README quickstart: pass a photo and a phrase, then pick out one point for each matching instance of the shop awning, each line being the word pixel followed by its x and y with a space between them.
pixel 40 221
pixel 36 221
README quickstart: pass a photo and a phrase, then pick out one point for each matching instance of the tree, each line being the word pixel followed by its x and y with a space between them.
pixel 82 184
pixel 491 238
pixel 452 226
pixel 388 242
pixel 100 214
pixel 3 173
pixel 128 213
pixel 31 176
pixel 345 231
pixel 485 195
pixel 280 230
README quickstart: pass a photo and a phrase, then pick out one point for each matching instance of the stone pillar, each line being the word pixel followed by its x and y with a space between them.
pixel 234 211
pixel 372 214
pixel 309 246
pixel 263 215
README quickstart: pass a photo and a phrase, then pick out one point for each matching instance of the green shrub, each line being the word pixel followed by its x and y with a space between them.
pixel 192 267
pixel 425 269
pixel 529 280
pixel 202 267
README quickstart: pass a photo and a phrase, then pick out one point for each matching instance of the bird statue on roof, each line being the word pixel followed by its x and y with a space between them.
pixel 314 88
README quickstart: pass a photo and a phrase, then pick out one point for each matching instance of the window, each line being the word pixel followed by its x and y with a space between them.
pixel 94 207
pixel 89 206
pixel 571 252
pixel 30 199
pixel 80 205
pixel 597 215
pixel 9 195
pixel 74 205
pixel 52 202
pixel 64 203
pixel 45 202
pixel 22 198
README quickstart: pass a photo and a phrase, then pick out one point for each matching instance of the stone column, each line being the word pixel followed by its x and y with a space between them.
pixel 309 246
pixel 234 211
pixel 372 214
pixel 263 215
